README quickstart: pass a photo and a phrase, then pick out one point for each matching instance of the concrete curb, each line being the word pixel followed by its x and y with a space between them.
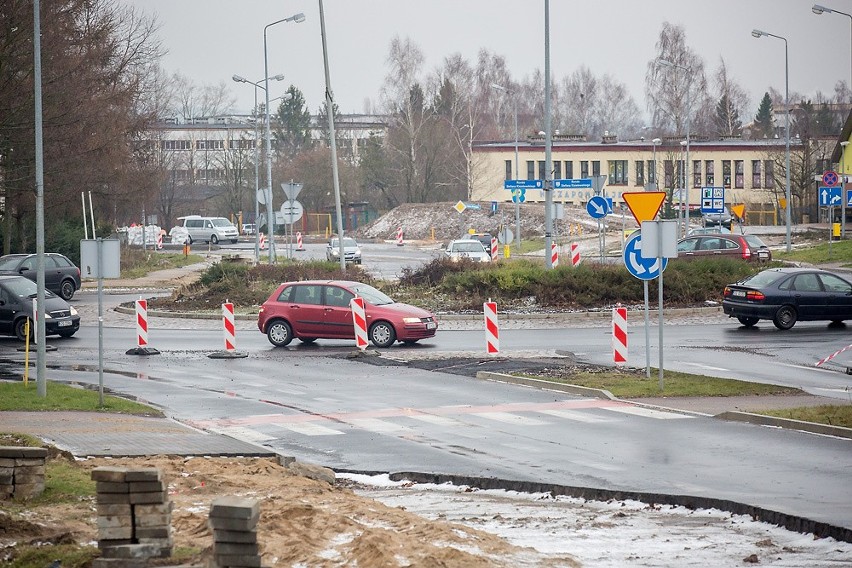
pixel 735 416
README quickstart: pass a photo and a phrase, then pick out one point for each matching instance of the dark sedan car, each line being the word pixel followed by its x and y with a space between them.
pixel 312 310
pixel 16 307
pixel 61 276
pixel 788 295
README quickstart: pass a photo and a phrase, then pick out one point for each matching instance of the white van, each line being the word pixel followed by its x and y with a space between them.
pixel 209 229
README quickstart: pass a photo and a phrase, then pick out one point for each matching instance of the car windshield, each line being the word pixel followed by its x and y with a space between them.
pixel 370 294
pixel 221 222
pixel 764 278
pixel 471 246
pixel 9 263
pixel 25 288
pixel 347 242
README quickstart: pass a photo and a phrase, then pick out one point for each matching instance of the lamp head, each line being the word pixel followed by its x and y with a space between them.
pixel 239 79
pixel 665 63
pixel 757 33
pixel 298 18
pixel 817 9
pixel 279 77
pixel 656 141
pixel 844 143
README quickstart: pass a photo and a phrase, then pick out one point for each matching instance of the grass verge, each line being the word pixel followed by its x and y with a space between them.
pixel 136 263
pixel 14 395
pixel 838 251
pixel 833 415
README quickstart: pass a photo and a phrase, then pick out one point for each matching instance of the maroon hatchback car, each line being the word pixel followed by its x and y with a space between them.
pixel 312 310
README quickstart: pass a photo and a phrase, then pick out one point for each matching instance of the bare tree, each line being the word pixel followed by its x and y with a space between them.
pixel 732 100
pixel 673 92
pixel 578 101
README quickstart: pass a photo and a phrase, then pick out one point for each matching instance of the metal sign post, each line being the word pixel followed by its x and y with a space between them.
pixel 100 258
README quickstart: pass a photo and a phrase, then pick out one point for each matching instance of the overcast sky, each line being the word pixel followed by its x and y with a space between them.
pixel 210 40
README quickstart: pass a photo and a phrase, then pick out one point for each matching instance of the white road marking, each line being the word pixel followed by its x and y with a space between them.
pixel 245 434
pixel 708 367
pixel 310 429
pixel 509 418
pixel 646 412
pixel 437 420
pixel 376 425
pixel 576 416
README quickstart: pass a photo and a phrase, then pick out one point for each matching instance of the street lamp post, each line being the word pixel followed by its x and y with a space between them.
pixel 817 9
pixel 257 86
pixel 517 198
pixel 548 145
pixel 688 71
pixel 758 33
pixel 843 145
pixel 270 216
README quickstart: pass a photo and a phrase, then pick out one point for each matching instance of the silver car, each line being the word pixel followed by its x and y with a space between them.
pixel 467 248
pixel 351 250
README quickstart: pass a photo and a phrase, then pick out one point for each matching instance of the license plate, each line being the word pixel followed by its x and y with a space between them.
pixel 738 293
pixel 431 325
pixel 66 323
pixel 762 254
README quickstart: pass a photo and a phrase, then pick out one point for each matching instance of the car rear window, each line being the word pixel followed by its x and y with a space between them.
pixel 764 278
pixel 754 241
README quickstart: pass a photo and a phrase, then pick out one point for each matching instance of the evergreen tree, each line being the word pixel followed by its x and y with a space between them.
pixel 727 118
pixel 763 123
pixel 292 129
pixel 322 122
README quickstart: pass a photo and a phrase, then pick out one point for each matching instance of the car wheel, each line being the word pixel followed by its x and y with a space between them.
pixel 66 334
pixel 67 289
pixel 234 241
pixel 785 317
pixel 279 333
pixel 307 340
pixel 189 240
pixel 749 322
pixel 382 334
pixel 20 329
pixel 214 239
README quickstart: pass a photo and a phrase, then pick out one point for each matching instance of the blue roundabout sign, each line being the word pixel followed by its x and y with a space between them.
pixel 639 266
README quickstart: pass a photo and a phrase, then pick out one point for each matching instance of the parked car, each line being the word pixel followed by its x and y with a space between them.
pixel 209 229
pixel 708 230
pixel 249 228
pixel 61 276
pixel 467 248
pixel 715 219
pixel 746 247
pixel 314 309
pixel 351 250
pixel 788 295
pixel 16 307
pixel 484 238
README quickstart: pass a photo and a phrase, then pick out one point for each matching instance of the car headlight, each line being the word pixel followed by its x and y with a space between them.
pixel 73 311
pixel 47 316
pixel 335 252
pixel 357 252
pixel 411 320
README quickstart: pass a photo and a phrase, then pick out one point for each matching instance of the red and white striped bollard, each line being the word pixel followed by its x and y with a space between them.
pixel 619 334
pixel 299 245
pixel 492 328
pixel 493 249
pixel 262 241
pixel 399 242
pixel 160 241
pixel 575 254
pixel 359 320
pixel 141 323
pixel 554 255
pixel 228 326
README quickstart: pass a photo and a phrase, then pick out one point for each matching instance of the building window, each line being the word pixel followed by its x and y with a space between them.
pixel 668 173
pixel 710 173
pixel 769 179
pixel 596 168
pixel 652 171
pixel 530 169
pixel 739 174
pixel 617 172
pixel 569 170
pixel 584 170
pixel 508 169
pixel 541 170
pixel 640 172
pixel 822 166
pixel 755 174
pixel 176 144
pixel 557 170
pixel 680 181
pixel 726 173
pixel 696 173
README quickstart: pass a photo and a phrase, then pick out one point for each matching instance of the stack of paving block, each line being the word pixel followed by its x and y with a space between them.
pixel 134 515
pixel 234 524
pixel 21 472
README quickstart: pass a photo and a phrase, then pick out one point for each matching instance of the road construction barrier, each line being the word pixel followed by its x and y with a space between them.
pixel 833 355
pixel 554 255
pixel 262 241
pixel 399 242
pixel 575 254
pixel 493 249
pixel 299 245
pixel 619 334
pixel 141 323
pixel 228 324
pixel 492 329
pixel 160 241
pixel 359 320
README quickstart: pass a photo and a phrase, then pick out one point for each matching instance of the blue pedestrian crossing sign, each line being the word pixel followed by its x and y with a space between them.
pixel 639 266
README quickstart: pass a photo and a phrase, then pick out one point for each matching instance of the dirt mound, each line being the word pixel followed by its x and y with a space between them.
pixel 443 222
